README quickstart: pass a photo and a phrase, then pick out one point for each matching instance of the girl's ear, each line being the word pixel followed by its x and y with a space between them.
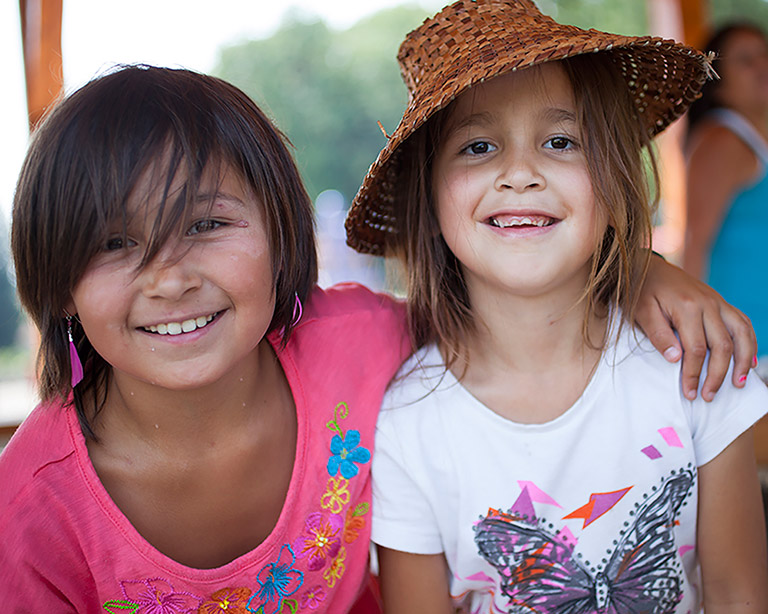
pixel 69 307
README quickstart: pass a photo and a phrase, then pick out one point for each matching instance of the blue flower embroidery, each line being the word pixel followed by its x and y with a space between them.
pixel 278 580
pixel 345 453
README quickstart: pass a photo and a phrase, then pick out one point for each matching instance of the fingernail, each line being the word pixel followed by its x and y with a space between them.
pixel 754 361
pixel 742 379
pixel 690 395
pixel 672 353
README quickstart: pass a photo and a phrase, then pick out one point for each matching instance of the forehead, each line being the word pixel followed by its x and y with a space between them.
pixel 165 186
pixel 540 87
pixel 743 41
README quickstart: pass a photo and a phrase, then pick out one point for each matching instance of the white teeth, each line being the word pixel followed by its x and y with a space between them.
pixel 521 221
pixel 176 328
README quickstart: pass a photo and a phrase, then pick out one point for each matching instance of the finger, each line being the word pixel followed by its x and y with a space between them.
pixel 694 341
pixel 656 326
pixel 744 343
pixel 720 354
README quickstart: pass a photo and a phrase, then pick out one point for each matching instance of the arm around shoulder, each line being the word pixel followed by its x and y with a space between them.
pixel 731 532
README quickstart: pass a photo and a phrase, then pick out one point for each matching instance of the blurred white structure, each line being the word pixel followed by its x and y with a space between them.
pixel 338 261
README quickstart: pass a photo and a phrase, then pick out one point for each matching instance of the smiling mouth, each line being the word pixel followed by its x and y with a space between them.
pixel 177 328
pixel 513 221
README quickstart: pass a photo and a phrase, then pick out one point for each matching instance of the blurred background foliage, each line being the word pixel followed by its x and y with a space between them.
pixel 327 89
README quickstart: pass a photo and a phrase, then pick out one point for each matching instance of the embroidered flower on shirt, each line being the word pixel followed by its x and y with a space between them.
pixel 228 600
pixel 120 606
pixel 345 453
pixel 354 521
pixel 156 596
pixel 345 449
pixel 321 539
pixel 278 580
pixel 312 597
pixel 336 496
pixel 336 570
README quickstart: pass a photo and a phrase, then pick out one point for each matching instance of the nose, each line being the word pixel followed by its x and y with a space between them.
pixel 170 275
pixel 519 172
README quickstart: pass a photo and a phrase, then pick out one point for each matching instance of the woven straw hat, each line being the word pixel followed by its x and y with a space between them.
pixel 473 40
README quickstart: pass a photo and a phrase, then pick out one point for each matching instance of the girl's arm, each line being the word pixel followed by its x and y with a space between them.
pixel 731 532
pixel 414 583
pixel 704 321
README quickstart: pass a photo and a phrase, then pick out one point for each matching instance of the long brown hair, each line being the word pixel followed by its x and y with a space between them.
pixel 624 178
pixel 85 161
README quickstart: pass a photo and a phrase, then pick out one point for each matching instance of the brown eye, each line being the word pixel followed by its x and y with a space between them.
pixel 202 226
pixel 559 142
pixel 117 243
pixel 478 148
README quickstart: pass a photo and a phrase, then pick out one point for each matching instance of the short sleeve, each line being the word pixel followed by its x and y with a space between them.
pixel 403 518
pixel 717 424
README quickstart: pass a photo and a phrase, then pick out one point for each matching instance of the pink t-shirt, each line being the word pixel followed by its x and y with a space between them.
pixel 66 547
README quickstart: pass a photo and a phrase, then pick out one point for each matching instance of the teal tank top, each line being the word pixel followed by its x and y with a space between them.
pixel 738 265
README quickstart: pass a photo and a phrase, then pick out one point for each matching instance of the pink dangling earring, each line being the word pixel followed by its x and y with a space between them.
pixel 297 310
pixel 74 360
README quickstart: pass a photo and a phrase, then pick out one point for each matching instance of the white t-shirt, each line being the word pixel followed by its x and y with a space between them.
pixel 595 507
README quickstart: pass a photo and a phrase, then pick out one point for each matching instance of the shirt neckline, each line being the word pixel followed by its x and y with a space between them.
pixel 262 552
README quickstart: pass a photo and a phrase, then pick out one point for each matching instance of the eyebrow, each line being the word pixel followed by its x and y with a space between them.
pixel 211 198
pixel 557 114
pixel 474 119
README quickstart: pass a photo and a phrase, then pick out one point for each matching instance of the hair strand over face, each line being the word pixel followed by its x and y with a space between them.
pixel 87 159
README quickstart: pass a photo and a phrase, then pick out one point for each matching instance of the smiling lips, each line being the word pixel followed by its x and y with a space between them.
pixel 176 328
pixel 511 221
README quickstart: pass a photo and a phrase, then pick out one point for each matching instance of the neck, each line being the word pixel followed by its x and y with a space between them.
pixel 528 359
pixel 135 407
pixel 532 332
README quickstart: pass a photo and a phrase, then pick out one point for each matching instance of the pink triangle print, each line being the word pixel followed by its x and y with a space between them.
pixel 536 494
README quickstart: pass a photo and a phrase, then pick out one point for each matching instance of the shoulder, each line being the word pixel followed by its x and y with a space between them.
pixel 714 143
pixel 350 299
pixel 635 362
pixel 352 314
pixel 422 399
pixel 43 440
pixel 653 384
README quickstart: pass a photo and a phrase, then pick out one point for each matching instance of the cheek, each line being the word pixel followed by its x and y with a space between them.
pixel 98 295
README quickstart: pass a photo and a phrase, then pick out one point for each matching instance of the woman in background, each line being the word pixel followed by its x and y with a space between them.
pixel 727 234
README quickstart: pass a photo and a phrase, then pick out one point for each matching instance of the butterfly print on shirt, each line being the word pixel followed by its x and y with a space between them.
pixel 539 572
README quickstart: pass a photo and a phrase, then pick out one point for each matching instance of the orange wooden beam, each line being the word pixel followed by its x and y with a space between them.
pixel 696 16
pixel 41 39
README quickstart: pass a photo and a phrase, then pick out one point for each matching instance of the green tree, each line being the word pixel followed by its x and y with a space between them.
pixel 755 11
pixel 327 89
pixel 625 17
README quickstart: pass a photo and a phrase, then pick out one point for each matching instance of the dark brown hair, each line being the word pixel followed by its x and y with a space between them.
pixel 86 159
pixel 614 140
pixel 709 93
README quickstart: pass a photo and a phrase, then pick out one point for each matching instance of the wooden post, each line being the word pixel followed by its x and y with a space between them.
pixel 41 39
pixel 696 22
pixel 665 18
